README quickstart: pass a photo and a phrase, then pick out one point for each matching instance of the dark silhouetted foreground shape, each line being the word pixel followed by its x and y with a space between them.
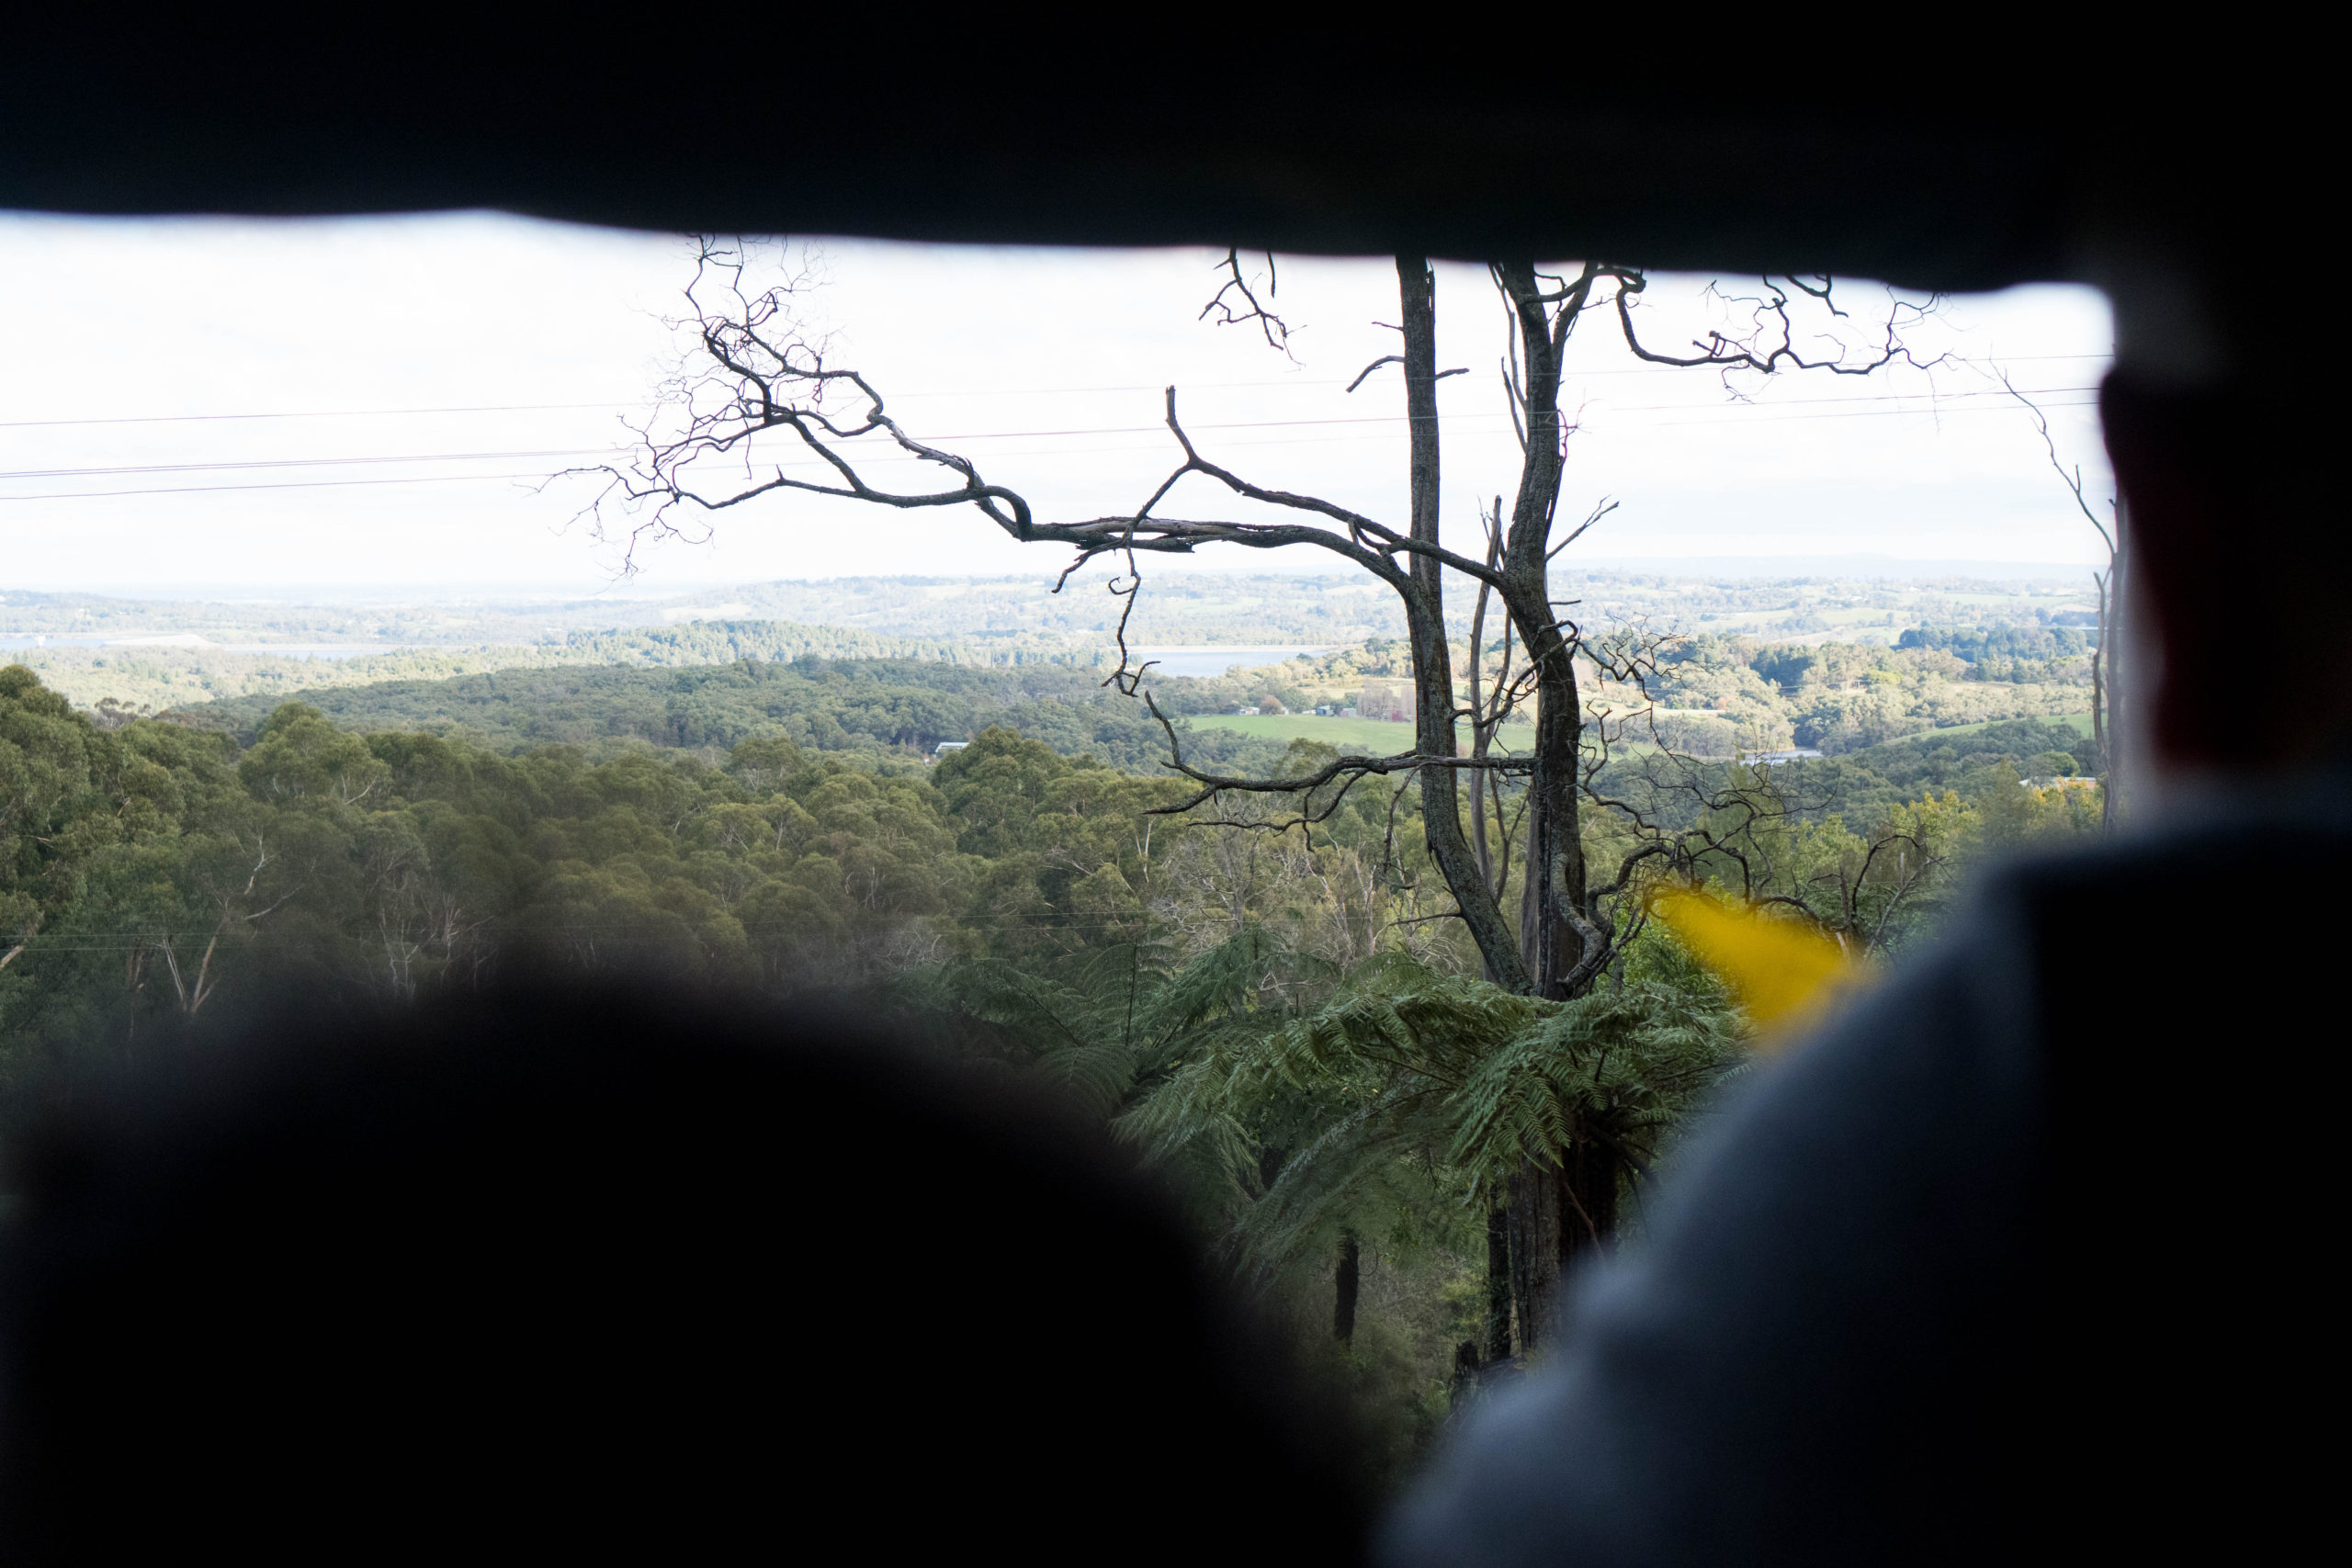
pixel 618 1272
pixel 2005 1264
pixel 590 1291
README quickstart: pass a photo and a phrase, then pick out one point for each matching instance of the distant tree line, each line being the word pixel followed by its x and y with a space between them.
pixel 1975 644
pixel 878 707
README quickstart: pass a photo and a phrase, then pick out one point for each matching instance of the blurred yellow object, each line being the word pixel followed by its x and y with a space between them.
pixel 1783 971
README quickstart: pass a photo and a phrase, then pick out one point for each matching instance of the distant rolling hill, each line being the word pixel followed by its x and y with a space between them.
pixel 881 705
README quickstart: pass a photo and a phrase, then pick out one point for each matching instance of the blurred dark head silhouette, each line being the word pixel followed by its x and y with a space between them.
pixel 568 1268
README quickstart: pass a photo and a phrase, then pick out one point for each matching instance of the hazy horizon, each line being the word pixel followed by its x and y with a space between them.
pixel 1694 569
pixel 196 404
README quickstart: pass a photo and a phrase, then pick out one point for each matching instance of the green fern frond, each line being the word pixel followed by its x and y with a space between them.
pixel 1616 1066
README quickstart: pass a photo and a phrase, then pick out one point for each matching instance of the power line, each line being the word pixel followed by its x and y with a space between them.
pixel 896 457
pixel 105 471
pixel 295 484
pixel 1866 398
pixel 1458 419
pixel 1456 422
pixel 304 463
pixel 1864 414
pixel 292 413
pixel 888 459
pixel 617 405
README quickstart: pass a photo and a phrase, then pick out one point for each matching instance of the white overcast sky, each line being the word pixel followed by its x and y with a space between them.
pixel 132 352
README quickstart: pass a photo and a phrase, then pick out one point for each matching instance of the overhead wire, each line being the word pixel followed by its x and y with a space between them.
pixel 295 414
pixel 1760 414
pixel 619 404
pixel 289 484
pixel 112 469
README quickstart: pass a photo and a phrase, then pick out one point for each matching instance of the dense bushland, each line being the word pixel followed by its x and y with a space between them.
pixel 1288 1022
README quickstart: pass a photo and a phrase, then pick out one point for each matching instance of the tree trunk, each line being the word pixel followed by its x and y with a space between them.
pixel 1552 1209
pixel 1588 1176
pixel 1553 898
pixel 1463 1386
pixel 1550 946
pixel 2098 690
pixel 1347 1282
pixel 1497 1282
pixel 1534 1224
pixel 1479 843
pixel 1485 714
pixel 1560 1219
pixel 2114 615
pixel 1433 698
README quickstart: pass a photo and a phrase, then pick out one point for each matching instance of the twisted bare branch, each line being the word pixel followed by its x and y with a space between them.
pixel 1250 310
pixel 1770 342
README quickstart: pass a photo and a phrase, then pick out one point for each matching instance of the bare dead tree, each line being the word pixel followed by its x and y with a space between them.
pixel 757 382
pixel 1564 947
pixel 761 380
pixel 2110 586
pixel 763 410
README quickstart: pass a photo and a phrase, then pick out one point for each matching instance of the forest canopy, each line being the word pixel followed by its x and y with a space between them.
pixel 1286 1022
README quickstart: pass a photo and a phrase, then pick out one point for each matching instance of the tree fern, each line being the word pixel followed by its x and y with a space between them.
pixel 1616 1067
pixel 1408 1086
pixel 1113 1023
